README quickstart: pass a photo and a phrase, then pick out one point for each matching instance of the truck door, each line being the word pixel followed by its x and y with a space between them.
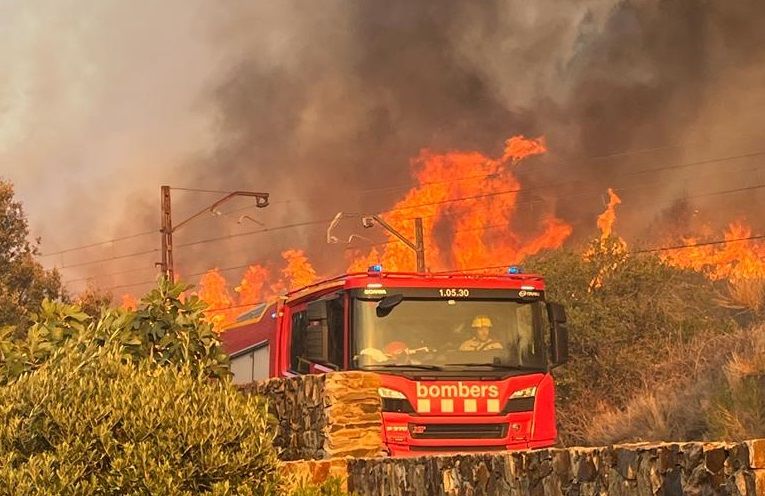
pixel 317 336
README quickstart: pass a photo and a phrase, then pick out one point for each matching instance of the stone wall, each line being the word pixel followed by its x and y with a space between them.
pixel 324 416
pixel 332 422
pixel 649 469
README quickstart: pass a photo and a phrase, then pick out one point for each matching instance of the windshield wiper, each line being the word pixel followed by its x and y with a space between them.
pixel 497 366
pixel 401 366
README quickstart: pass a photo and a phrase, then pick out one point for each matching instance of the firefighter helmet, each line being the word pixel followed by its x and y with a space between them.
pixel 395 348
pixel 481 321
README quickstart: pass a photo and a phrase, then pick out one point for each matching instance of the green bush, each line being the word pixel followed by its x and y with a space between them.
pixel 131 403
pixel 166 329
pixel 92 421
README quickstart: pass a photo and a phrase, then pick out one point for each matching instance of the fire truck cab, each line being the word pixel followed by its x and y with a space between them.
pixel 464 360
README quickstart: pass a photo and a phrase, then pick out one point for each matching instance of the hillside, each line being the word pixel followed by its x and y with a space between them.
pixel 658 351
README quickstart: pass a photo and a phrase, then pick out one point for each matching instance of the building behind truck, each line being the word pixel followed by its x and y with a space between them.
pixel 464 360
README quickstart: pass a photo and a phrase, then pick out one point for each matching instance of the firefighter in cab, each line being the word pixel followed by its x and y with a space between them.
pixel 481 341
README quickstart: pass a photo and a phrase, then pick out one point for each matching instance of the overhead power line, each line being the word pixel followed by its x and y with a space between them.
pixel 642 251
pixel 409 185
pixel 112 274
pixel 477 269
pixel 567 183
pixel 123 286
pixel 635 252
pixel 500 173
pixel 387 242
pixel 197 190
pixel 466 198
pixel 259 231
pixel 109 259
pixel 451 180
pixel 99 243
pixel 324 221
pixel 695 245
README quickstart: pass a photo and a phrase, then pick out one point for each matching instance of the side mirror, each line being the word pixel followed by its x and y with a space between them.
pixel 388 303
pixel 556 312
pixel 558 334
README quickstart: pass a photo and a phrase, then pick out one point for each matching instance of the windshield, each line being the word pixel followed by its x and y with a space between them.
pixel 446 334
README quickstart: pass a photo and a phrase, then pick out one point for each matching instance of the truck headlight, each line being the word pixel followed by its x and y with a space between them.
pixel 390 394
pixel 528 392
pixel 521 401
pixel 394 401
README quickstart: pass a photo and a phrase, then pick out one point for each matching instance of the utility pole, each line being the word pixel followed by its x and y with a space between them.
pixel 419 243
pixel 167 233
pixel 167 229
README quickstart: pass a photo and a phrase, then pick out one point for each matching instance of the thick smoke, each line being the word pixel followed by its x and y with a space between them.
pixel 323 105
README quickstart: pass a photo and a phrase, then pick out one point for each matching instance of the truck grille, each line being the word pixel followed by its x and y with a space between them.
pixel 458 431
pixel 453 449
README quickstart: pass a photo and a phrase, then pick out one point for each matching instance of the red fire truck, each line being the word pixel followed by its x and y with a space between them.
pixel 464 360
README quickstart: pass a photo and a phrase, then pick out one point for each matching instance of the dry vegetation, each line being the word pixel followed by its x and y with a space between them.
pixel 721 397
pixel 658 352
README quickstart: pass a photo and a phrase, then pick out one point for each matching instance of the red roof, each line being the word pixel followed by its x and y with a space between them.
pixel 251 332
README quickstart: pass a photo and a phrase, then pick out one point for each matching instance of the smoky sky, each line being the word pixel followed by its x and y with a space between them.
pixel 323 105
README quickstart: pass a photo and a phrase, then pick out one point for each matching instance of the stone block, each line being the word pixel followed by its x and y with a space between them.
pixel 561 463
pixel 582 465
pixel 627 461
pixel 349 383
pixel 358 443
pixel 759 482
pixel 317 415
pixel 691 455
pixel 738 458
pixel 756 453
pixel 668 455
pixel 714 458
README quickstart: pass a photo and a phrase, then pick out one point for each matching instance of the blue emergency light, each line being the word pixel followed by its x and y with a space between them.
pixel 514 269
pixel 375 268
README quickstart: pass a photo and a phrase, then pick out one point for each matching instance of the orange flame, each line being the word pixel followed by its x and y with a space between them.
pixel 517 148
pixel 299 272
pixel 474 199
pixel 129 302
pixel 472 195
pixel 214 291
pixel 605 223
pixel 737 259
pixel 361 262
pixel 251 288
pixel 608 217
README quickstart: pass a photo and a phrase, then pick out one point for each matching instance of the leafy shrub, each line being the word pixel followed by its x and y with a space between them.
pixel 131 403
pixel 167 329
pixel 92 421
